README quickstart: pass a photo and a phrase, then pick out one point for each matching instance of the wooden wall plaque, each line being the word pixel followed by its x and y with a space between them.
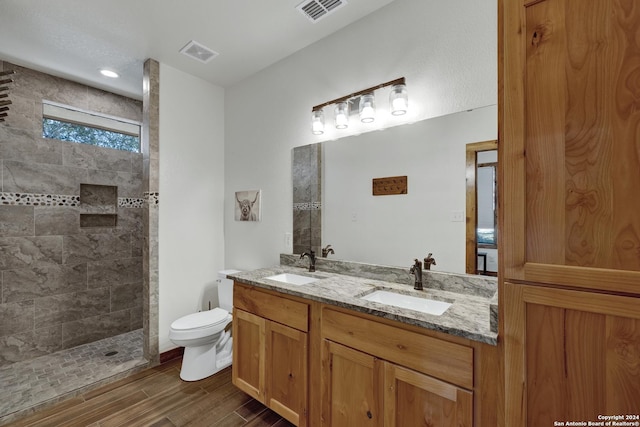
pixel 389 185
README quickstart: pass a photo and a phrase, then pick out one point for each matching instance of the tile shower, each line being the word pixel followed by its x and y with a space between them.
pixel 71 226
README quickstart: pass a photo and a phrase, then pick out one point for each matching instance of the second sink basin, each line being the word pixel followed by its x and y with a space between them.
pixel 292 279
pixel 423 305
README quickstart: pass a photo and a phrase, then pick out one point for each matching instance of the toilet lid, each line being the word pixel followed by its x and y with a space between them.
pixel 202 319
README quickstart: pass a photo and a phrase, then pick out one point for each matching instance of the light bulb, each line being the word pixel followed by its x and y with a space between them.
pixel 367 108
pixel 399 100
pixel 342 115
pixel 317 122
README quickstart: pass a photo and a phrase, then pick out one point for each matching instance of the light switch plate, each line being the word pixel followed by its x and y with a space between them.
pixel 457 216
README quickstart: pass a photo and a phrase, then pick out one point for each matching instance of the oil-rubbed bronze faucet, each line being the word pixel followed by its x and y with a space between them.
pixel 326 251
pixel 429 261
pixel 416 270
pixel 312 259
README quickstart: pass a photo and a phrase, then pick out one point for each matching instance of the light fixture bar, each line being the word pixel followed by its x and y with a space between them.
pixel 360 93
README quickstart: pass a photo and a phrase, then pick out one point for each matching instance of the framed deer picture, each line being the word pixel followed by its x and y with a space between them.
pixel 247 205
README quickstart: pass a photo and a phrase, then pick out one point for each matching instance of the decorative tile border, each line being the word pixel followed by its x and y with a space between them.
pixel 152 198
pixel 309 206
pixel 29 199
pixel 130 202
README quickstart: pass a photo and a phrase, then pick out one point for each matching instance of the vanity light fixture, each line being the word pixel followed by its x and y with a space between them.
pixel 398 100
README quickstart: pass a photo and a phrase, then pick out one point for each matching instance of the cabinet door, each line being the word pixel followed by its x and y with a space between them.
pixel 570 155
pixel 415 399
pixel 248 371
pixel 351 387
pixel 577 358
pixel 286 372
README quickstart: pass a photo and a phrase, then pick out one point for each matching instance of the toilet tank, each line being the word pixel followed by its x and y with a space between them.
pixel 225 289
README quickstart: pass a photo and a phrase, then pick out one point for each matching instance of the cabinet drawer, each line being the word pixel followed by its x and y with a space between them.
pixel 273 307
pixel 432 356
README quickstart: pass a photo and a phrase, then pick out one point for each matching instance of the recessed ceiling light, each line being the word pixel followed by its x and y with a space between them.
pixel 109 73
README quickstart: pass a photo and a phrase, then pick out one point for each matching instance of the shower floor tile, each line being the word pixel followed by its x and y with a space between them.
pixel 27 386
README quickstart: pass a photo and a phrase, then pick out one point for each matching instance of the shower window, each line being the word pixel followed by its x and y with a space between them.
pixel 68 124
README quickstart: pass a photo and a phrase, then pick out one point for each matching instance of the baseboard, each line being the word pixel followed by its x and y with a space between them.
pixel 172 354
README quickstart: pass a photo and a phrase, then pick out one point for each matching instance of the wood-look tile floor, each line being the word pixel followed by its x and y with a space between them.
pixel 158 397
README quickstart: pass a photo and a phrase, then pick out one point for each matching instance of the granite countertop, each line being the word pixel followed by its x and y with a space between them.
pixel 468 316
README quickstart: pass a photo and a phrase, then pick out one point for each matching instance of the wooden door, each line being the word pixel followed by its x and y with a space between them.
pixel 351 387
pixel 415 399
pixel 573 356
pixel 569 147
pixel 286 372
pixel 248 370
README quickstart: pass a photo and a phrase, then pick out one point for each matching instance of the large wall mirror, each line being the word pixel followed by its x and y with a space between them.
pixel 430 217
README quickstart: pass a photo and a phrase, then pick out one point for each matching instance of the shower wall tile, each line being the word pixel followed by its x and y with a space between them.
pixel 27 146
pixel 114 105
pixel 126 296
pixel 137 242
pixel 16 221
pixel 112 272
pixel 136 318
pixel 41 178
pixel 23 114
pixel 91 157
pixel 56 220
pixel 16 317
pixel 96 246
pixel 70 307
pixel 21 252
pixel 29 283
pixel 95 328
pixel 28 345
pixel 130 219
pixel 38 86
pixel 129 184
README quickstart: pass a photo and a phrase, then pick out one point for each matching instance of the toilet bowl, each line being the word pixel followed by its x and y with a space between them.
pixel 205 336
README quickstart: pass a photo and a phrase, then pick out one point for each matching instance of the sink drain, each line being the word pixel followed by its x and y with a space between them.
pixel 111 353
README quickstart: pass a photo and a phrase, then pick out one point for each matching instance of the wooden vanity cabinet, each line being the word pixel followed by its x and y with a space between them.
pixel 270 351
pixel 362 390
pixel 321 365
pixel 374 374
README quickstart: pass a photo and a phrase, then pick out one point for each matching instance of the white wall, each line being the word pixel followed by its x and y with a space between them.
pixel 445 49
pixel 393 230
pixel 191 246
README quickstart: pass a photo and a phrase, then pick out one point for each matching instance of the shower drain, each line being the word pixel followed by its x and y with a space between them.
pixel 111 353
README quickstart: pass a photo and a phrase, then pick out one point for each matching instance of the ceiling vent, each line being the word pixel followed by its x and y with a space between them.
pixel 199 52
pixel 315 10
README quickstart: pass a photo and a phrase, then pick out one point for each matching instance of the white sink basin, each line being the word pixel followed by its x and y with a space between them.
pixel 422 305
pixel 292 279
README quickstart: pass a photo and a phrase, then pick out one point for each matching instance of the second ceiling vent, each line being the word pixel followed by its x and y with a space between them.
pixel 198 51
pixel 315 10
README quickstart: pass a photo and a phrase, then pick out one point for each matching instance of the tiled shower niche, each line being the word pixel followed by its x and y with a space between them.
pixel 98 205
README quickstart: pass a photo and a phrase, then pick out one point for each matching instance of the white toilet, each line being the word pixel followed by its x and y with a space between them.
pixel 207 346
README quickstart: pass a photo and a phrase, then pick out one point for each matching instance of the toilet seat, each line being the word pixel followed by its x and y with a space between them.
pixel 200 324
